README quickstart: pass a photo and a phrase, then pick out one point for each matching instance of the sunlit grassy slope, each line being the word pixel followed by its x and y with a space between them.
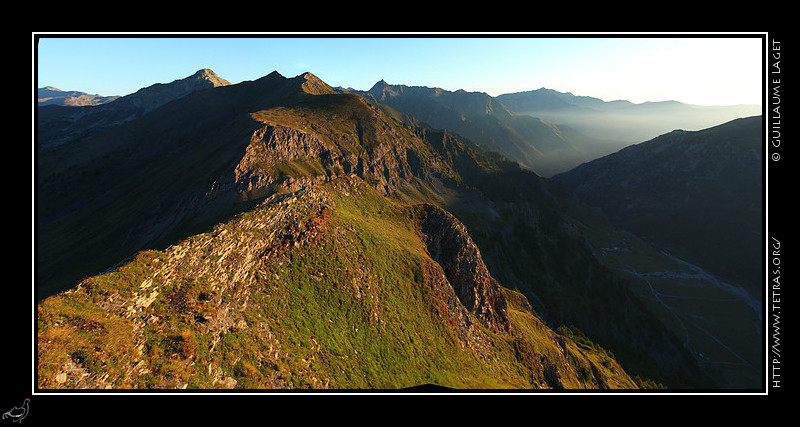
pixel 331 287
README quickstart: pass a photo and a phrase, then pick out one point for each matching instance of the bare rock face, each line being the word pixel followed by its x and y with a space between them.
pixel 271 147
pixel 288 151
pixel 450 245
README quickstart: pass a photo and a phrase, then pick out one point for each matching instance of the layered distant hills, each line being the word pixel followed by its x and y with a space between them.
pixel 620 120
pixel 539 145
pixel 281 233
pixel 545 130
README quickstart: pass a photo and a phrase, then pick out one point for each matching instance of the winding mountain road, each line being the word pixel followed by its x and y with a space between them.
pixel 738 294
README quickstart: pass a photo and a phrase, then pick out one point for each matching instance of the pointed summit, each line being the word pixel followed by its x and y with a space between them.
pixel 122 109
pixel 208 75
pixel 380 85
pixel 313 85
pixel 381 90
pixel 202 79
pixel 156 95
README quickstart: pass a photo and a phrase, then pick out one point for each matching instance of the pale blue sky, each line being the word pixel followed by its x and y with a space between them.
pixel 706 70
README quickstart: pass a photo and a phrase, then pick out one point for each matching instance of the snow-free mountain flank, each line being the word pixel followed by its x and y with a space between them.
pixel 332 263
pixel 280 233
pixel 60 125
pixel 49 95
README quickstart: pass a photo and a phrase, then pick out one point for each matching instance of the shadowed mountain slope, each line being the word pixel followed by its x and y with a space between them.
pixel 697 194
pixel 60 124
pixel 194 161
pixel 691 203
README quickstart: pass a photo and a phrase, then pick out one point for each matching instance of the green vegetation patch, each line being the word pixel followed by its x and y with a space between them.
pixel 355 310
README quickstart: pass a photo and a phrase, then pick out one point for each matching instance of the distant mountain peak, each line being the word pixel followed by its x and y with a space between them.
pixel 50 95
pixel 313 85
pixel 207 74
pixel 160 93
pixel 379 88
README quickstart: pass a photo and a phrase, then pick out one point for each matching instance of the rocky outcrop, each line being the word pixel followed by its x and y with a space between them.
pixel 289 151
pixel 168 305
pixel 275 158
pixel 193 161
pixel 450 245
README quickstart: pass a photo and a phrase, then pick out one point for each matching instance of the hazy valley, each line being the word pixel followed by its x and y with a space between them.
pixel 281 233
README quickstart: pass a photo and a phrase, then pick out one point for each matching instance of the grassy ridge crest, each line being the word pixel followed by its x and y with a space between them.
pixel 327 288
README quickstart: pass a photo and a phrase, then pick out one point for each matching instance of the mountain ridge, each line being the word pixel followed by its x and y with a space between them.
pixel 536 144
pixel 49 95
pixel 234 173
pixel 284 124
pixel 63 124
pixel 262 321
pixel 217 153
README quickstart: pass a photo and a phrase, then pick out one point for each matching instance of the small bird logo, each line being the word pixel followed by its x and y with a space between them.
pixel 17 413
